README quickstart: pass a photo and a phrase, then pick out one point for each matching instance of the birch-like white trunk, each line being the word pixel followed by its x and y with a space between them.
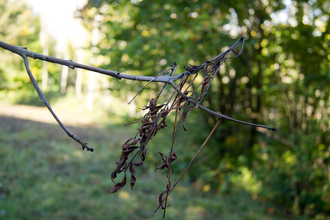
pixel 91 80
pixel 64 75
pixel 80 57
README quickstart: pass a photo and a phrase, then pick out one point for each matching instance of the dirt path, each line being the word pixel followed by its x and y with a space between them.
pixel 15 118
pixel 41 114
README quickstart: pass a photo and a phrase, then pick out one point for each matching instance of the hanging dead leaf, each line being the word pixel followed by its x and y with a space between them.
pixel 132 171
pixel 118 186
pixel 167 160
pixel 161 167
pixel 161 198
pixel 133 178
pixel 127 149
pixel 171 158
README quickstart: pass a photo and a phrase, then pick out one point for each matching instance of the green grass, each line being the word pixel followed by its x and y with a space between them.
pixel 45 175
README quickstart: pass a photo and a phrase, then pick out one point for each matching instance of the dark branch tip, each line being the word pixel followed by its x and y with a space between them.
pixel 273 129
pixel 87 148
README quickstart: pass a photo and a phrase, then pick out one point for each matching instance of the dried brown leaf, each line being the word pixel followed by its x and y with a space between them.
pixel 127 149
pixel 132 171
pixel 143 153
pixel 137 164
pixel 161 199
pixel 113 176
pixel 118 186
pixel 162 124
pixel 167 160
pixel 161 167
pixel 133 178
pixel 117 171
pixel 204 85
pixel 171 158
pixel 154 110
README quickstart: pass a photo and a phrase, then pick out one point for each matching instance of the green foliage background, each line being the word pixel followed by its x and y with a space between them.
pixel 22 28
pixel 280 79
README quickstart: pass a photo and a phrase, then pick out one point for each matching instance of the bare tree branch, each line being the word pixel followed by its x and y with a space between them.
pixel 44 101
pixel 218 115
pixel 163 79
pixel 23 51
pixel 155 119
pixel 166 79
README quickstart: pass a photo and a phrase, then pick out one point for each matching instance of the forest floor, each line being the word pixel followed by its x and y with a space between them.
pixel 45 175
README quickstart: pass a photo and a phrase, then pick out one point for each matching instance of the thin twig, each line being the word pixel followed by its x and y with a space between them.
pixel 192 160
pixel 171 152
pixel 236 44
pixel 175 131
pixel 160 113
pixel 163 79
pixel 216 71
pixel 173 93
pixel 218 115
pixel 22 50
pixel 148 83
pixel 44 101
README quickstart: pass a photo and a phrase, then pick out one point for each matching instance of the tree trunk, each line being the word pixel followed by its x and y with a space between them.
pixel 80 56
pixel 64 75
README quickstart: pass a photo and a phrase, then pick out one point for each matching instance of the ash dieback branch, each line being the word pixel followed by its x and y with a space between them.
pixel 182 100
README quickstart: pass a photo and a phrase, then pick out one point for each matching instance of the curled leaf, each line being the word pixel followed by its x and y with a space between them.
pixel 171 158
pixel 161 199
pixel 113 176
pixel 118 186
pixel 127 149
pixel 132 171
pixel 161 167
pixel 133 178
pixel 166 161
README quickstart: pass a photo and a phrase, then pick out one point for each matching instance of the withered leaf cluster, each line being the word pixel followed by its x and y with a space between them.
pixel 153 121
pixel 167 161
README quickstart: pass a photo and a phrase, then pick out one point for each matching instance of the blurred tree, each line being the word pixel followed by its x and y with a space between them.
pixel 21 29
pixel 280 79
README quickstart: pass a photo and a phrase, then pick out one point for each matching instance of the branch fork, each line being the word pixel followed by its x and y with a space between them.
pixel 155 119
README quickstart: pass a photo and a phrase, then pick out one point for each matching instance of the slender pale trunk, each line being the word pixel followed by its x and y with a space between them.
pixel 91 81
pixel 44 81
pixel 64 75
pixel 80 56
pixel 44 44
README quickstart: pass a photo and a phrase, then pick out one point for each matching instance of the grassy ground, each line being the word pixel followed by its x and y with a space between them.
pixel 45 175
